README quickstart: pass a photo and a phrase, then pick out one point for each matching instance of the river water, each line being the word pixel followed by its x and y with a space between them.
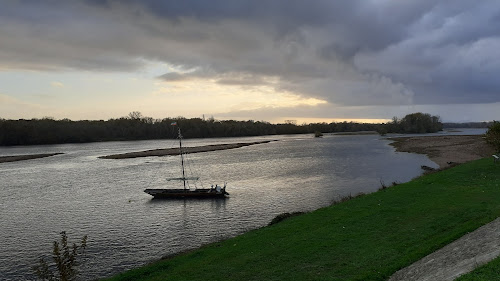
pixel 78 193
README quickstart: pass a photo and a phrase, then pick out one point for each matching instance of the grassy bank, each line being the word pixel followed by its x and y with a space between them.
pixel 367 238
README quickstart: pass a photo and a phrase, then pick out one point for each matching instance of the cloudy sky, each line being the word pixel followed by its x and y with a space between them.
pixel 267 60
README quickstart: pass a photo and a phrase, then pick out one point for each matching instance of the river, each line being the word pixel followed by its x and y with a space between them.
pixel 78 193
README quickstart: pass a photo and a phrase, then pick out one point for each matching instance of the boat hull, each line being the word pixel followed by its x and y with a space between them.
pixel 182 193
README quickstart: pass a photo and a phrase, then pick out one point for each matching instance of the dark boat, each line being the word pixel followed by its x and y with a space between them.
pixel 186 192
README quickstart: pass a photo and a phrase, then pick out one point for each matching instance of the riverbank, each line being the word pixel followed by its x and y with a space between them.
pixel 445 150
pixel 367 238
pixel 14 158
pixel 175 151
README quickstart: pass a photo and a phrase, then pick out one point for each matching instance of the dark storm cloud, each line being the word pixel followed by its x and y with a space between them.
pixel 449 55
pixel 346 52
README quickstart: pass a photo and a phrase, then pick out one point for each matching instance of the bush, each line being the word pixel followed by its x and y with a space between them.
pixel 65 261
pixel 284 216
pixel 382 130
pixel 493 135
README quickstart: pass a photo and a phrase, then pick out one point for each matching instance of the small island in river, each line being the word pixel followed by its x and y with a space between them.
pixel 175 151
pixel 14 158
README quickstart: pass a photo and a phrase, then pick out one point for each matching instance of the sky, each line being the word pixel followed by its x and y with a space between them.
pixel 273 60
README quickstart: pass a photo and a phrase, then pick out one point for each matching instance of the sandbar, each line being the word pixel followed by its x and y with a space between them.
pixel 14 158
pixel 175 151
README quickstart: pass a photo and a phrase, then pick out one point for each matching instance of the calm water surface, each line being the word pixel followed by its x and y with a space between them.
pixel 104 199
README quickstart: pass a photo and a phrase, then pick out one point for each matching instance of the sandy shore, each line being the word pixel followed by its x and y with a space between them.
pixel 445 150
pixel 175 151
pixel 14 158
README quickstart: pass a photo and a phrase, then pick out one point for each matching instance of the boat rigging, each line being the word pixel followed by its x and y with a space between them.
pixel 186 192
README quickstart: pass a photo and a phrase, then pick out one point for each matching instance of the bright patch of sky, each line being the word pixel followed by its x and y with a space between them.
pixel 96 95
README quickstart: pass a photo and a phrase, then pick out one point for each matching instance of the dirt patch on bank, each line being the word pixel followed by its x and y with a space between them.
pixel 446 150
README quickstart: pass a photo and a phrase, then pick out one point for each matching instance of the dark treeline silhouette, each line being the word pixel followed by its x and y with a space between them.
pixel 137 127
pixel 468 125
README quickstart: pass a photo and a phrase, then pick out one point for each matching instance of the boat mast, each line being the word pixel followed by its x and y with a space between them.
pixel 182 159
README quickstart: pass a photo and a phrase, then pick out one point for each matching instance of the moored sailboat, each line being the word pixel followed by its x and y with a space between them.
pixel 186 192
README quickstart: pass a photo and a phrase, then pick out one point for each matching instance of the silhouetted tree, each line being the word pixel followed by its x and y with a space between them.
pixel 413 123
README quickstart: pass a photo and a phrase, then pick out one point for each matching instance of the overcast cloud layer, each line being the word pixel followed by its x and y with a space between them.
pixel 349 53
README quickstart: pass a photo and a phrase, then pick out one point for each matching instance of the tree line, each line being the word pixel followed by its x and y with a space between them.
pixel 138 127
pixel 469 125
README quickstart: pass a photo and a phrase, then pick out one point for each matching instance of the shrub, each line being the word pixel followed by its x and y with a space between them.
pixel 65 261
pixel 284 216
pixel 493 135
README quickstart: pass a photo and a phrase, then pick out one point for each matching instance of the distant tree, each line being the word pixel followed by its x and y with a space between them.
pixel 135 115
pixel 318 134
pixel 65 261
pixel 382 130
pixel 493 135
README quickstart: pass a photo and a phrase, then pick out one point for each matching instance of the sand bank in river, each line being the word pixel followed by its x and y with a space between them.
pixel 445 150
pixel 175 151
pixel 25 157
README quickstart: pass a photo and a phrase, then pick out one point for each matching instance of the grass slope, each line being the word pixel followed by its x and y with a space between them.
pixel 367 238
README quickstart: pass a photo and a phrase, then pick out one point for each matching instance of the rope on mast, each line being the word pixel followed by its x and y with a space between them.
pixel 182 159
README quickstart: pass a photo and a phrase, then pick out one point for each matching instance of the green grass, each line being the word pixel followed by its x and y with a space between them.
pixel 366 238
